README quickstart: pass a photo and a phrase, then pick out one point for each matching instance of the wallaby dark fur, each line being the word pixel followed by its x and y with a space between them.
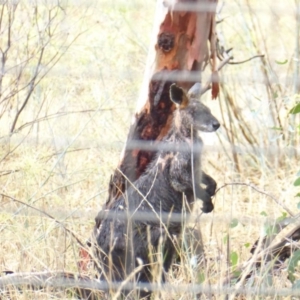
pixel 170 184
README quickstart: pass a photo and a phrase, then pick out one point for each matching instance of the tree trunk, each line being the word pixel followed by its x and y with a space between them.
pixel 181 45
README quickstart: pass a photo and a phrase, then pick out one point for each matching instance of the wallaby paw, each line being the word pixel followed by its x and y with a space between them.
pixel 210 191
pixel 207 207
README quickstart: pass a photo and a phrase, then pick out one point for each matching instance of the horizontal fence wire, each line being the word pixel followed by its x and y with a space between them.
pixel 39 280
pixel 155 217
pixel 64 215
pixel 201 6
pixel 69 145
pixel 238 77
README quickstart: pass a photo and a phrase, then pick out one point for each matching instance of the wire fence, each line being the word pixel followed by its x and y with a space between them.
pixel 59 148
pixel 182 288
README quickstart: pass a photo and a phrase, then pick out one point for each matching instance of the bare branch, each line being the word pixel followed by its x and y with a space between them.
pixel 34 81
pixel 80 284
pixel 1 15
pixel 246 60
pixel 259 191
pixel 31 88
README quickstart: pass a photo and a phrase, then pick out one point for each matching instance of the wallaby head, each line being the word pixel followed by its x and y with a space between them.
pixel 191 112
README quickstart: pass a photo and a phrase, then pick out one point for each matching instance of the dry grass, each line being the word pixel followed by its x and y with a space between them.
pixel 62 163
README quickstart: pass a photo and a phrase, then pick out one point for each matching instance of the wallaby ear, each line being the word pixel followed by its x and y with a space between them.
pixel 178 96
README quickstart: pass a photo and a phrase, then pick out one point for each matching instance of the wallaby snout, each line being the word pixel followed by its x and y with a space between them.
pixel 211 125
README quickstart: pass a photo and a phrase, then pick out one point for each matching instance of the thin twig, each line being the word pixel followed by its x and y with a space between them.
pixel 47 215
pixel 60 114
pixel 65 152
pixel 246 60
pixel 259 191
pixel 31 89
pixel 7 172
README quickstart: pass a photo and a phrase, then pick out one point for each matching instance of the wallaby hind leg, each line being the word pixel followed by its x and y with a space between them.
pixel 210 183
